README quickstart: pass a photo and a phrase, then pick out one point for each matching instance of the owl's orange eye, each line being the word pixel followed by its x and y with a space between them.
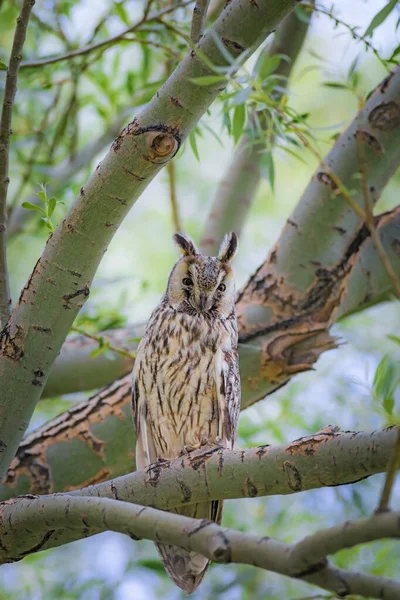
pixel 187 281
pixel 222 287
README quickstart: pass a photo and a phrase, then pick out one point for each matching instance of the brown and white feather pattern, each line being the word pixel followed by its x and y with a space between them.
pixel 186 385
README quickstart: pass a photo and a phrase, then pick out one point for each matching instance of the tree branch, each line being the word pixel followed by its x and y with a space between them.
pixel 237 190
pixel 5 132
pixel 31 518
pixel 199 20
pixel 108 43
pixel 60 282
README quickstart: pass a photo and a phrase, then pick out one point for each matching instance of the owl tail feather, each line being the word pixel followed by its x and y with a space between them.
pixel 187 568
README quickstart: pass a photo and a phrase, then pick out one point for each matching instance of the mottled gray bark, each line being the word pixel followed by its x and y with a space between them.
pixel 31 524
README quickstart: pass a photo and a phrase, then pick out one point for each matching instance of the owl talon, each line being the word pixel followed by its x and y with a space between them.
pixel 219 441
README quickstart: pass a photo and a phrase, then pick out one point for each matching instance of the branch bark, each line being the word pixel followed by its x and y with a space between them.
pixel 60 282
pixel 5 133
pixel 199 20
pixel 27 519
pixel 237 190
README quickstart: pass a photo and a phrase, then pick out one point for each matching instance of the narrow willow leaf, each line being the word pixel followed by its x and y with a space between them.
pixel 239 119
pixel 51 206
pixel 30 206
pixel 380 17
pixel 193 144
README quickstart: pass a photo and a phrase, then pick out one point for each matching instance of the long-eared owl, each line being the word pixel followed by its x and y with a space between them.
pixel 186 386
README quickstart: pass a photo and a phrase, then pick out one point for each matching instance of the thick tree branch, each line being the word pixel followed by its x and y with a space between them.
pixel 61 280
pixel 27 520
pixel 199 20
pixel 5 133
pixel 111 41
pixel 237 190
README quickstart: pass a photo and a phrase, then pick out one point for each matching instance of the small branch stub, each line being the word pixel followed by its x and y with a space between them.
pixel 162 146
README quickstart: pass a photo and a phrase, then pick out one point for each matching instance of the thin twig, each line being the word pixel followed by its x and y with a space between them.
pixel 5 132
pixel 111 41
pixel 352 30
pixel 173 196
pixel 199 20
pixel 100 340
pixel 393 467
pixel 370 223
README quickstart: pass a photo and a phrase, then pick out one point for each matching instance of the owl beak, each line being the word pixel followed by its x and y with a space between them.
pixel 202 301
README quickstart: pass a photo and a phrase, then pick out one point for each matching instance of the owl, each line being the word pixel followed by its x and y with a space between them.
pixel 186 385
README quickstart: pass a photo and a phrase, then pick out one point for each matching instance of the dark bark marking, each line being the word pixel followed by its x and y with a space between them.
pixel 262 450
pixel 134 175
pixel 223 553
pixel 176 102
pixel 385 116
pixel 293 475
pixel 202 525
pixel 40 545
pixel 386 82
pixel 114 490
pixel 85 291
pixel 233 46
pixel 366 138
pixel 186 491
pixel 11 346
pixel 326 179
pixel 251 488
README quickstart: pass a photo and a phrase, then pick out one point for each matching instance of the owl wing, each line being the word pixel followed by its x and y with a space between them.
pixel 145 450
pixel 227 381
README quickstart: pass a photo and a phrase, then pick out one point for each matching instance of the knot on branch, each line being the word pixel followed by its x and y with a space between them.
pixel 162 146
pixel 162 141
pixel 385 116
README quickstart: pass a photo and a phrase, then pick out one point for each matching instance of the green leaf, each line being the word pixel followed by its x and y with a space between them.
pixel 380 17
pixel 3 66
pixel 335 84
pixel 30 206
pixel 193 144
pixel 267 168
pixel 51 206
pixel 388 404
pixel 208 80
pixel 42 195
pixel 386 380
pixel 268 65
pixel 394 338
pixel 121 12
pixel 239 119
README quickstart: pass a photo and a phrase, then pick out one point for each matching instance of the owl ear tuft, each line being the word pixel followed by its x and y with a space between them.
pixel 228 247
pixel 185 244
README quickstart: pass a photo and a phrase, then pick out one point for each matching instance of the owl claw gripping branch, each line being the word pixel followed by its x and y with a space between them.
pixel 186 386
